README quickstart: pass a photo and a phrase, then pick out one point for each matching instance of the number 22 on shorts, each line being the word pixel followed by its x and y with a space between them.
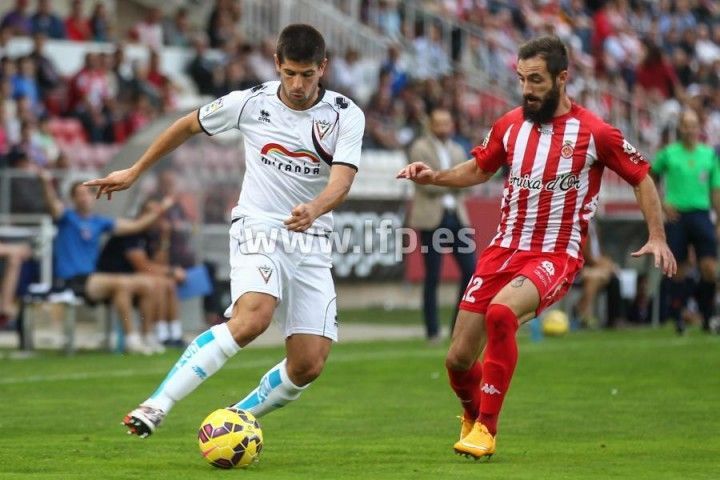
pixel 473 286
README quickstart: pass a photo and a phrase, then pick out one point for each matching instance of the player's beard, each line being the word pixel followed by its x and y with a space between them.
pixel 548 105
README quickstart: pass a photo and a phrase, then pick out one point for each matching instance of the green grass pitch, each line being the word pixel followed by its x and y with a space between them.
pixel 636 404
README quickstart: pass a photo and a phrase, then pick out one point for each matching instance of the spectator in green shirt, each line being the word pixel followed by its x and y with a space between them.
pixel 692 184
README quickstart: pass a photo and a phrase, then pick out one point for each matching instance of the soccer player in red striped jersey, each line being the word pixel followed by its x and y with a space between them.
pixel 556 152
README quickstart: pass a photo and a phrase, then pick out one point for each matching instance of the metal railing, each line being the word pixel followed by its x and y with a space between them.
pixel 38 229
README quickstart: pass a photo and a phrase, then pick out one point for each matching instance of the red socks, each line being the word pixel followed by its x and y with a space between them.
pixel 499 363
pixel 467 388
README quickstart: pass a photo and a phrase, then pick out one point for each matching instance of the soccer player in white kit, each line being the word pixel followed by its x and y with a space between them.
pixel 302 150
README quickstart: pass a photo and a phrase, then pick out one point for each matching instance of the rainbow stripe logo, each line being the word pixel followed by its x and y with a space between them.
pixel 276 148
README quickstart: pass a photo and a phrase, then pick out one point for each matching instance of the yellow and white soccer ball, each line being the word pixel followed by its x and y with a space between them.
pixel 230 438
pixel 555 323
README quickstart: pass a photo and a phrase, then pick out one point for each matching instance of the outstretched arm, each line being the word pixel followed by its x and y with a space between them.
pixel 51 197
pixel 337 189
pixel 649 202
pixel 125 226
pixel 174 136
pixel 464 175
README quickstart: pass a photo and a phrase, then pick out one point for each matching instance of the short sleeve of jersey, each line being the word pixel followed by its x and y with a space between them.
pixel 490 154
pixel 349 142
pixel 223 114
pixel 133 242
pixel 106 224
pixel 63 218
pixel 659 166
pixel 619 155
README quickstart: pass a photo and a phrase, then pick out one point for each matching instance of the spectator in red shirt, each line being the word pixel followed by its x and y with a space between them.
pixel 154 73
pixel 77 27
pixel 655 74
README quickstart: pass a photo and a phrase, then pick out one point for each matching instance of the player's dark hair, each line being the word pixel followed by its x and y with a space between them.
pixel 301 43
pixel 549 48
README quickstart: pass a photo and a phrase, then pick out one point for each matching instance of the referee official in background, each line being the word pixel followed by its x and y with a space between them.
pixel 692 182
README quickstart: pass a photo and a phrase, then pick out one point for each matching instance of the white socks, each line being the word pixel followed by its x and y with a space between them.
pixel 175 330
pixel 168 330
pixel 275 391
pixel 162 330
pixel 202 358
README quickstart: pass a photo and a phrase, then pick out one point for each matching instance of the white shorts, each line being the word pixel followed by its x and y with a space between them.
pixel 292 267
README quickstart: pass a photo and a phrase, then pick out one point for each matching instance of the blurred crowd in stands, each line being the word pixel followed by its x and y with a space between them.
pixel 634 62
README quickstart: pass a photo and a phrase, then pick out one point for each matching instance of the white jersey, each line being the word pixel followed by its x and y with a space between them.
pixel 288 153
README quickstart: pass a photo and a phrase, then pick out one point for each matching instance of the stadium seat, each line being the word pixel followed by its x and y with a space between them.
pixel 67 130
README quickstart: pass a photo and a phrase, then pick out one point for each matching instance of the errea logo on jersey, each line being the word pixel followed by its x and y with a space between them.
pixel 264 116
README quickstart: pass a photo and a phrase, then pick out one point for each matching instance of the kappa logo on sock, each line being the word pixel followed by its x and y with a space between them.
pixel 266 272
pixel 490 389
pixel 199 372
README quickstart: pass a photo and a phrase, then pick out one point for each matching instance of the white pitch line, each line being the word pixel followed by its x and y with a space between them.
pixel 551 345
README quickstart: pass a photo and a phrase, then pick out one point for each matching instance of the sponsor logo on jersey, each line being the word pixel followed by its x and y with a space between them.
pixel 303 162
pixel 211 108
pixel 567 149
pixel 548 267
pixel 265 272
pixel 562 182
pixel 628 148
pixel 264 116
pixel 277 149
pixel 545 129
pixel 633 154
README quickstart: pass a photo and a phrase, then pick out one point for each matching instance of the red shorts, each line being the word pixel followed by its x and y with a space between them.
pixel 551 273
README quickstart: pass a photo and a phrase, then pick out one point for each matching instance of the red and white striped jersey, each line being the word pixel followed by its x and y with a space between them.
pixel 551 192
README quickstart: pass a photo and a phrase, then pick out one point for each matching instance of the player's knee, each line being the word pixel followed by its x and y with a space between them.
pixel 245 330
pixel 458 359
pixel 500 321
pixel 708 269
pixel 306 370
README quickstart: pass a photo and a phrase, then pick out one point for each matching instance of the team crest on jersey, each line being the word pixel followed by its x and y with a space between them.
pixel 266 272
pixel 322 127
pixel 567 149
pixel 211 108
